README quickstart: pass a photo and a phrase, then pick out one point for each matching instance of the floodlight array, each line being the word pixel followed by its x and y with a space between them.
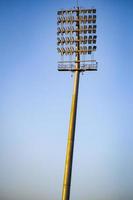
pixel 71 40
pixel 81 19
pixel 83 29
pixel 83 11
pixel 76 32
pixel 72 50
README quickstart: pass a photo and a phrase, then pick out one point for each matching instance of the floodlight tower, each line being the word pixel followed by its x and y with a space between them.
pixel 76 39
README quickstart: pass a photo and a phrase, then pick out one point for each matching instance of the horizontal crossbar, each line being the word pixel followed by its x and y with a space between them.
pixel 78 61
pixel 80 70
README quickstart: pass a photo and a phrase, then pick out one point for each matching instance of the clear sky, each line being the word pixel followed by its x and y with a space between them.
pixel 35 102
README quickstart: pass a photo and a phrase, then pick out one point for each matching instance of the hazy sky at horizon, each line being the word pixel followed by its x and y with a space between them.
pixel 35 105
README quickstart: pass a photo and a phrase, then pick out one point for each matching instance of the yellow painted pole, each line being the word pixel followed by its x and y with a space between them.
pixel 72 124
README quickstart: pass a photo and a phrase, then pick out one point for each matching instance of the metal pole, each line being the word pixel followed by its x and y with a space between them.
pixel 72 124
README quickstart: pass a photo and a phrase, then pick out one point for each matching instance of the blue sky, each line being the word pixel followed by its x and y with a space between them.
pixel 35 104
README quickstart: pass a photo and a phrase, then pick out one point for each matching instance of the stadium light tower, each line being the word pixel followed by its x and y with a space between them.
pixel 76 40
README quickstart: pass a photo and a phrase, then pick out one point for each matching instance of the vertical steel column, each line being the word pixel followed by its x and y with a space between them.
pixel 72 123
